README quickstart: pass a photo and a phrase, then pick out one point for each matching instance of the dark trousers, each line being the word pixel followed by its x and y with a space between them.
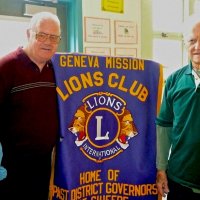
pixel 28 181
pixel 179 192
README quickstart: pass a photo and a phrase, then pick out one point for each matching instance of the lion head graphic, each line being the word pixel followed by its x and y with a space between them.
pixel 77 126
pixel 128 129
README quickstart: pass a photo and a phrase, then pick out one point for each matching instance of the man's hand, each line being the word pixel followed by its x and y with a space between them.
pixel 162 183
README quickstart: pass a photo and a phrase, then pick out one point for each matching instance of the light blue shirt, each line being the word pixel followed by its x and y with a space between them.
pixel 3 171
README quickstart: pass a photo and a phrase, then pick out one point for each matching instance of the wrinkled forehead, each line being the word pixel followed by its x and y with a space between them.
pixel 196 29
pixel 191 26
pixel 193 33
pixel 47 25
pixel 47 22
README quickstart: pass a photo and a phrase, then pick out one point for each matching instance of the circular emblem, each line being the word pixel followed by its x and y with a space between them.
pixel 102 126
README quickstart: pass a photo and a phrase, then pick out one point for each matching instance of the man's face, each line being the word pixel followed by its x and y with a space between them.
pixel 43 49
pixel 194 45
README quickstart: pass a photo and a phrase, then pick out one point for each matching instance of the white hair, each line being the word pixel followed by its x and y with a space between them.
pixel 38 17
pixel 189 25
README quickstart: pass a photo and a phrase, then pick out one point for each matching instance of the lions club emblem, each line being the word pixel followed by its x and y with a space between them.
pixel 102 126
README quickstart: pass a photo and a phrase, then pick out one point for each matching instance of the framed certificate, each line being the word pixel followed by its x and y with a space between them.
pixel 126 32
pixel 104 51
pixel 126 52
pixel 97 30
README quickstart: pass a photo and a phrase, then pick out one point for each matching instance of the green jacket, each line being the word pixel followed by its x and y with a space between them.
pixel 180 110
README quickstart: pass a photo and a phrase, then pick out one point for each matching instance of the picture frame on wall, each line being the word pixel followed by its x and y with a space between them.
pixel 126 32
pixel 126 52
pixel 103 51
pixel 96 30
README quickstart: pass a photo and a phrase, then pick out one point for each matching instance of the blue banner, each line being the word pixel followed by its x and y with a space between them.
pixel 107 107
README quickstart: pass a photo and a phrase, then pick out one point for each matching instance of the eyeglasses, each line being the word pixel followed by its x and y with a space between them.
pixel 42 37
